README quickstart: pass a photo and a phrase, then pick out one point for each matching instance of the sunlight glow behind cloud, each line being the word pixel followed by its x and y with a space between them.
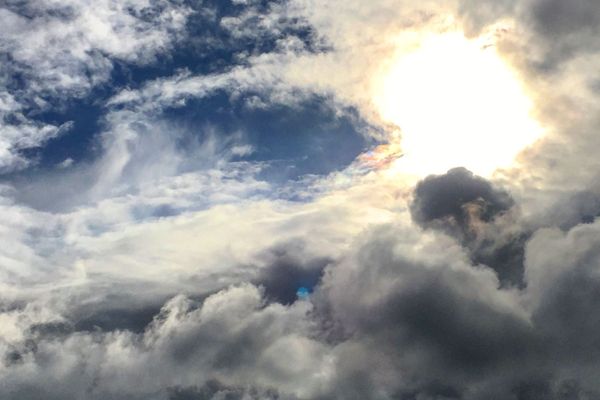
pixel 458 104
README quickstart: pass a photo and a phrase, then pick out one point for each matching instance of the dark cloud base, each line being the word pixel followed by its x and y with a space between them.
pixel 464 205
pixel 432 323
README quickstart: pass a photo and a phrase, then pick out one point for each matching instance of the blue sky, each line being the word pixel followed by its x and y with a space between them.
pixel 278 133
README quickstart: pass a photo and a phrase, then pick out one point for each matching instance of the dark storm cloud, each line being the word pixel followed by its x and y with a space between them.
pixel 454 334
pixel 428 313
pixel 215 390
pixel 451 200
pixel 466 206
pixel 504 253
pixel 289 269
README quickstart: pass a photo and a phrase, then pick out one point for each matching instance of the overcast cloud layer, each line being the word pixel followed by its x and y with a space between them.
pixel 190 208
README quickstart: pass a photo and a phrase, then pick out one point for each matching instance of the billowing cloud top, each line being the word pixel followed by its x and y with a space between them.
pixel 242 199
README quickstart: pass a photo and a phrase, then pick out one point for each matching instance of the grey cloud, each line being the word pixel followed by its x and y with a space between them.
pixel 419 321
pixel 231 337
pixel 566 29
pixel 123 317
pixel 557 18
pixel 428 312
pixel 562 273
pixel 477 14
pixel 452 200
pixel 452 333
pixel 471 208
pixel 558 31
pixel 214 390
pixel 571 209
pixel 288 268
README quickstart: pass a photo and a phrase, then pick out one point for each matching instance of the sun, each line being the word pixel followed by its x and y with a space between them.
pixel 457 103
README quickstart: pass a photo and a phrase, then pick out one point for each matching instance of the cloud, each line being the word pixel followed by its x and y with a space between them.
pixel 216 390
pixel 412 302
pixel 68 47
pixel 20 132
pixel 54 52
pixel 480 215
pixel 165 260
pixel 427 311
pixel 566 31
pixel 395 299
pixel 561 269
pixel 288 270
pixel 232 337
pixel 458 199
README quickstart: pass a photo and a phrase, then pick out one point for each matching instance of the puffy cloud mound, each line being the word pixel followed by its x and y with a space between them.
pixel 401 313
pixel 456 199
pixel 477 213
pixel 232 337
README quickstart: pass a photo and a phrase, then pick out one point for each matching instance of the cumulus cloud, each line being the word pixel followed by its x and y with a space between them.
pixel 428 314
pixel 480 215
pixel 415 318
pixel 458 199
pixel 232 338
pixel 414 304
pixel 165 267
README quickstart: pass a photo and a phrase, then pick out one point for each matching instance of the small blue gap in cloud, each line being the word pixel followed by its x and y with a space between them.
pixel 303 293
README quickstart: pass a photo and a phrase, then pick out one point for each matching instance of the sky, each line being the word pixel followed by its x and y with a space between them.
pixel 299 200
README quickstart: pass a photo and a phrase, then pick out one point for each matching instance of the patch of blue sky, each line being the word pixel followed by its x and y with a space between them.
pixel 206 47
pixel 311 138
pixel 303 293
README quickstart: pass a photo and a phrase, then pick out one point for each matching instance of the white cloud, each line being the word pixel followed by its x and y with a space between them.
pixel 61 50
pixel 184 347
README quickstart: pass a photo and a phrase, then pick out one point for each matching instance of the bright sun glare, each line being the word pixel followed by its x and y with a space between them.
pixel 458 104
